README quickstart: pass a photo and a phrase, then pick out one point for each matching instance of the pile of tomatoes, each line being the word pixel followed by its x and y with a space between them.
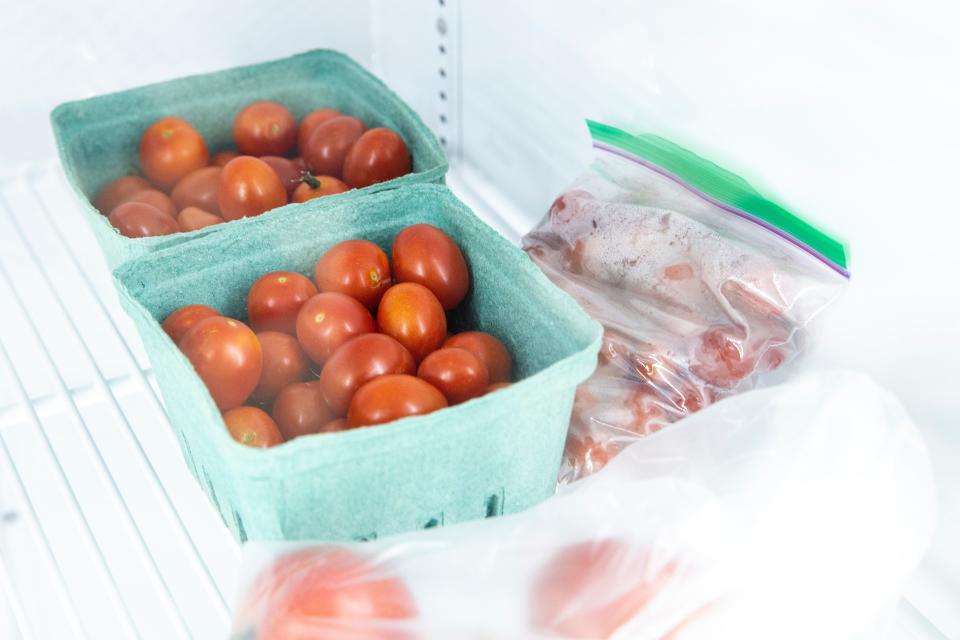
pixel 361 344
pixel 184 189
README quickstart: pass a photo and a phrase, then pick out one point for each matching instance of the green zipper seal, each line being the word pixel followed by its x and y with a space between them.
pixel 724 189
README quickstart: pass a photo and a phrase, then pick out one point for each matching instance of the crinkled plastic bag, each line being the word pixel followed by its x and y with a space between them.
pixel 793 511
pixel 702 286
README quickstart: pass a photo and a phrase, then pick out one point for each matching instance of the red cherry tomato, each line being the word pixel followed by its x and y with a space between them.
pixel 221 158
pixel 182 320
pixel 139 220
pixel 226 356
pixel 377 156
pixel 156 199
pixel 722 357
pixel 192 218
pixel 248 187
pixel 300 409
pixel 288 171
pixel 391 397
pixel 334 426
pixel 591 589
pixel 252 427
pixel 490 351
pixel 457 373
pixel 428 256
pixel 284 363
pixel 264 129
pixel 496 386
pixel 198 189
pixel 331 593
pixel 118 192
pixel 275 299
pixel 410 313
pixel 170 149
pixel 316 187
pixel 310 122
pixel 329 143
pixel 358 361
pixel 358 268
pixel 327 320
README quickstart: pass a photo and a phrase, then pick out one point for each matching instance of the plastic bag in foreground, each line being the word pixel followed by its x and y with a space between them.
pixel 788 512
pixel 702 286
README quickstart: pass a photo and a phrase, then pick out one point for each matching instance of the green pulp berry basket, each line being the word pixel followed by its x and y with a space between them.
pixel 98 138
pixel 496 454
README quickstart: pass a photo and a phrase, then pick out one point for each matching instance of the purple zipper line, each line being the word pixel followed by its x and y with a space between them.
pixel 726 207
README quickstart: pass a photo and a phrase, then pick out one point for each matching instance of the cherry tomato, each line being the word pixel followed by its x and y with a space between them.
pixel 722 357
pixel 156 199
pixel 248 187
pixel 221 158
pixel 192 218
pixel 182 320
pixel 284 363
pixel 340 424
pixel 300 164
pixel 226 356
pixel 264 129
pixel 358 361
pixel 198 189
pixel 328 592
pixel 275 299
pixel 358 268
pixel 310 122
pixel 428 256
pixel 300 409
pixel 410 313
pixel 391 397
pixel 118 192
pixel 329 143
pixel 253 427
pixel 316 187
pixel 496 386
pixel 377 156
pixel 327 320
pixel 170 149
pixel 490 351
pixel 139 220
pixel 457 373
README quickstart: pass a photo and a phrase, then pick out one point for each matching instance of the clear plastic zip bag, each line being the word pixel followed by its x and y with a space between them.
pixel 702 285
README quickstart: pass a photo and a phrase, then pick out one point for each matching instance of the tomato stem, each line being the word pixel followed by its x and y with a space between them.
pixel 311 181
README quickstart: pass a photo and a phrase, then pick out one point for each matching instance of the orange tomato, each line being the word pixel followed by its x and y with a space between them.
pixel 252 427
pixel 170 149
pixel 412 315
pixel 391 397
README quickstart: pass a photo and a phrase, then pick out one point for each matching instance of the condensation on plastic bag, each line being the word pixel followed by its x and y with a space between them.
pixel 788 512
pixel 697 303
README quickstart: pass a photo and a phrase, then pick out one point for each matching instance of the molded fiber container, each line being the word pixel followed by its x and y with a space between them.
pixel 98 139
pixel 492 455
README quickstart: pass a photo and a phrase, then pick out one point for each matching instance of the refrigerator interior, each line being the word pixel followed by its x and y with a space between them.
pixel 846 113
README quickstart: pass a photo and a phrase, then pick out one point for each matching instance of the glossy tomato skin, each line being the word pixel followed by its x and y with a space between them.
pixel 249 187
pixel 288 171
pixel 300 409
pixel 182 320
pixel 327 320
pixel 284 363
pixel 391 397
pixel 329 143
pixel 377 156
pixel 331 593
pixel 221 158
pixel 157 199
pixel 264 129
pixel 140 220
pixel 310 122
pixel 316 187
pixel 118 192
pixel 192 218
pixel 226 355
pixel 491 352
pixel 358 361
pixel 357 268
pixel 252 427
pixel 198 189
pixel 275 299
pixel 457 373
pixel 170 149
pixel 412 315
pixel 426 255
